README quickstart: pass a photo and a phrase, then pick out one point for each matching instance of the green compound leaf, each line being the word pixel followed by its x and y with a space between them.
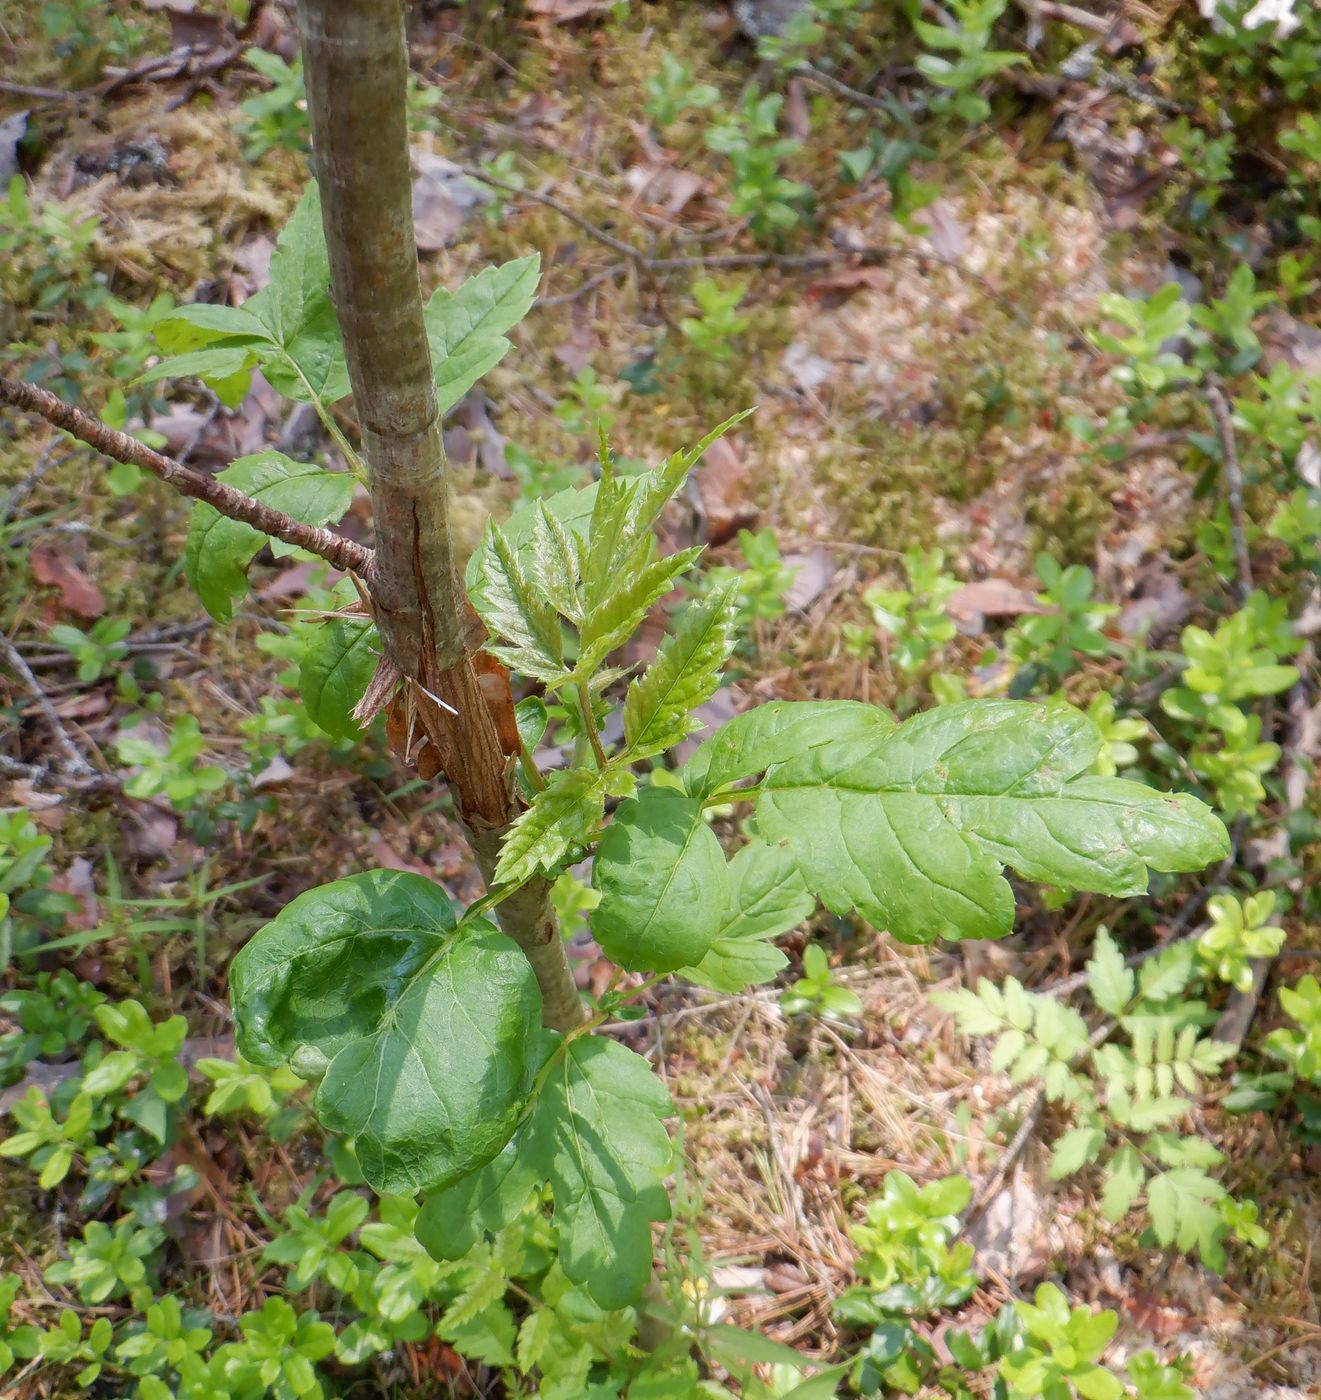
pixel 466 328
pixel 596 1134
pixel 659 704
pixel 774 733
pixel 335 670
pixel 566 814
pixel 573 509
pixel 663 883
pixel 913 827
pixel 767 897
pixel 219 549
pixel 427 1034
pixel 513 609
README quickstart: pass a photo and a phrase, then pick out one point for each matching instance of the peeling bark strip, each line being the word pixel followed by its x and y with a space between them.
pixel 355 62
pixel 119 447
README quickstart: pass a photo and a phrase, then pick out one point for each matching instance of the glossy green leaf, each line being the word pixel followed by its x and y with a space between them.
pixel 774 733
pixel 663 883
pixel 219 549
pixel 685 673
pixel 425 1034
pixel 336 668
pixel 466 328
pixel 767 897
pixel 452 1220
pixel 913 827
pixel 596 1134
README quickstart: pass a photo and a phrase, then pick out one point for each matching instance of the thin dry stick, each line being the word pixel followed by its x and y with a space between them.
pixel 119 447
pixel 72 762
pixel 1238 530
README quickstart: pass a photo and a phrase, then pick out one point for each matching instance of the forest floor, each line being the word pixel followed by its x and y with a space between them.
pixel 931 385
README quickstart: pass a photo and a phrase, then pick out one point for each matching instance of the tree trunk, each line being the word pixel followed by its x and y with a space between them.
pixel 356 67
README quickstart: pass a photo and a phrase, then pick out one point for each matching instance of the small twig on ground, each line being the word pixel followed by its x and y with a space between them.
pixel 1219 404
pixel 72 762
pixel 343 553
pixel 810 73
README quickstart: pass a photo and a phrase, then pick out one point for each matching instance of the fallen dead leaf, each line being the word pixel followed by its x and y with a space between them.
pixel 443 200
pixel 815 573
pixel 990 597
pixel 78 593
pixel 723 484
pixel 562 11
pixel 806 368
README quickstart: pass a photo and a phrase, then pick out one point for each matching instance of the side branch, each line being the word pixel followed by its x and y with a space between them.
pixel 334 549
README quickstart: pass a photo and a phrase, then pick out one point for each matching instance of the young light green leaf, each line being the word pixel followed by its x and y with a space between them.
pixel 572 508
pixel 1181 1203
pixel 767 897
pixel 1073 1150
pixel 912 828
pixel 663 883
pixel 219 549
pixel 774 733
pixel 685 673
pixel 336 668
pixel 596 1134
pixel 425 1034
pixel 565 814
pixel 466 328
pixel 514 610
pixel 1124 1177
pixel 612 620
pixel 1109 981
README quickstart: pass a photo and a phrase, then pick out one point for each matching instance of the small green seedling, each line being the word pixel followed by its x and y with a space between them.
pixel 1240 931
pixel 817 993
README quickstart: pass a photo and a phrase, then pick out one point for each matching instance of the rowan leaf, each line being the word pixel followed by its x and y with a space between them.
pixel 425 1033
pixel 663 883
pixel 767 897
pixel 596 1134
pixel 466 328
pixel 612 620
pixel 219 549
pixel 912 827
pixel 513 609
pixel 685 673
pixel 565 814
pixel 336 668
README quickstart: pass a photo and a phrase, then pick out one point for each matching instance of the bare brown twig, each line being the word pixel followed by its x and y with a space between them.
pixel 1219 404
pixel 334 549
